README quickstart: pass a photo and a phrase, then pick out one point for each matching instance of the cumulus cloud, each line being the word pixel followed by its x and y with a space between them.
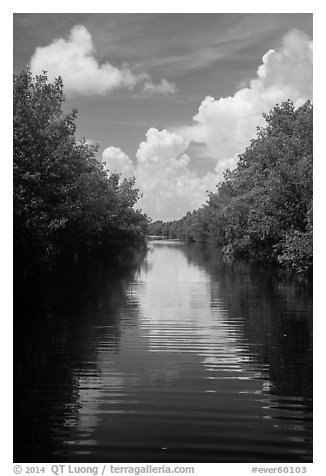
pixel 170 189
pixel 74 60
pixel 117 161
pixel 226 125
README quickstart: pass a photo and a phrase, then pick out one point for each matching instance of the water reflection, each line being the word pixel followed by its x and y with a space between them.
pixel 272 317
pixel 182 357
pixel 273 313
pixel 57 343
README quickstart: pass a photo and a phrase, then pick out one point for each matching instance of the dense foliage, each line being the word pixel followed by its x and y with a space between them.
pixel 263 208
pixel 65 204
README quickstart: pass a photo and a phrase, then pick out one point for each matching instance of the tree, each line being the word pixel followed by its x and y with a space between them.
pixel 64 199
pixel 263 208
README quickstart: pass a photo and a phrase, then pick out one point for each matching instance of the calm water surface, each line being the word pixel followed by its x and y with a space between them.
pixel 180 357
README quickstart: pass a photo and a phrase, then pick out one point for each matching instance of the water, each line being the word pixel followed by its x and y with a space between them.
pixel 180 357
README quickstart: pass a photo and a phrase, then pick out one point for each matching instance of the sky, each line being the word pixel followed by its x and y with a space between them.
pixel 171 99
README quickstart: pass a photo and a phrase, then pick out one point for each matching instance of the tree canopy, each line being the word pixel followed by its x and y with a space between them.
pixel 263 208
pixel 65 202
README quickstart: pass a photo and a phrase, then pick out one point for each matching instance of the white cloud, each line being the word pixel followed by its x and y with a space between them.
pixel 169 187
pixel 227 125
pixel 117 161
pixel 74 61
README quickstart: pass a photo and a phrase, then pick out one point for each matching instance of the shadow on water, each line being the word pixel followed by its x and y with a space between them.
pixel 58 324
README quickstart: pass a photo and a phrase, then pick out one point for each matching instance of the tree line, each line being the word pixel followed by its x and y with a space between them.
pixel 66 205
pixel 263 209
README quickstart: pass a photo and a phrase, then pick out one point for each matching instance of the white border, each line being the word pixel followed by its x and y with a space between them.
pixel 318 467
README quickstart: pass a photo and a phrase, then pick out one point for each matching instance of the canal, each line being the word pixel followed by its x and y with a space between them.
pixel 179 356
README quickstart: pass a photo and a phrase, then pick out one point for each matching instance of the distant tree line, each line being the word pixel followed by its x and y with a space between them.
pixel 263 209
pixel 66 205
